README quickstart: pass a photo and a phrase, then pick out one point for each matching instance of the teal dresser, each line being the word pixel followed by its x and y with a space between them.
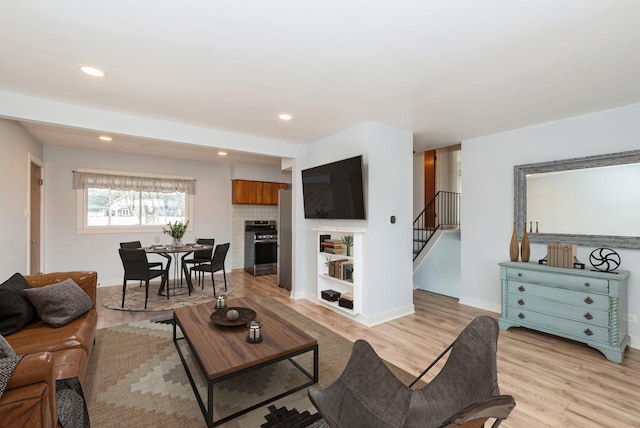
pixel 582 305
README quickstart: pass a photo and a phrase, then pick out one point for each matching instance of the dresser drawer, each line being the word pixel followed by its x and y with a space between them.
pixel 585 300
pixel 576 329
pixel 574 282
pixel 590 316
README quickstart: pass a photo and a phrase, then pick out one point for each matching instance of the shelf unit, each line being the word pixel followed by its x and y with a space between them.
pixel 328 282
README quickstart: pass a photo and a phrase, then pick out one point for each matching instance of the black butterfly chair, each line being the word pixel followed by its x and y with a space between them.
pixel 137 267
pixel 199 257
pixel 216 264
pixel 464 393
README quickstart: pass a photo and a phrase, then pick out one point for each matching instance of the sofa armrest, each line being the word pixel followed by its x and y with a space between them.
pixel 33 368
pixel 88 281
pixel 36 368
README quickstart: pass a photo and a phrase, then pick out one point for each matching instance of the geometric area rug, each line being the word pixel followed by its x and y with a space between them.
pixel 135 379
pixel 178 296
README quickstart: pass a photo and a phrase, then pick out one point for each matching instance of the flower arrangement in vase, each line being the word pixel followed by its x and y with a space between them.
pixel 176 231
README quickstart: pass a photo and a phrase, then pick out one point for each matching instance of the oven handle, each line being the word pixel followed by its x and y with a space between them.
pixel 266 241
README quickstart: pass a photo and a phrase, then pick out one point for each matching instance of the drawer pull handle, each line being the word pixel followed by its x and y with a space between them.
pixel 519 274
pixel 586 284
pixel 521 288
pixel 521 302
pixel 588 332
pixel 521 315
pixel 588 316
pixel 588 300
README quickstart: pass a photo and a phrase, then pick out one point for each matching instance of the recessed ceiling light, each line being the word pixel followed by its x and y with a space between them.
pixel 285 116
pixel 105 138
pixel 222 153
pixel 91 71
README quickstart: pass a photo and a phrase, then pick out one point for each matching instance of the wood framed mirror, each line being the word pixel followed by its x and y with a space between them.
pixel 568 213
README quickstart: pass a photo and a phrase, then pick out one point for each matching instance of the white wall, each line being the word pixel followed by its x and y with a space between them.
pixel 16 145
pixel 447 179
pixel 440 270
pixel 260 173
pixel 387 158
pixel 65 249
pixel 487 202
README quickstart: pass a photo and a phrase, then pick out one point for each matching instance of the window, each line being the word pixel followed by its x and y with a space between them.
pixel 114 202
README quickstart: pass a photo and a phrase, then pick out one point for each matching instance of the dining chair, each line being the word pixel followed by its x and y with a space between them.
pixel 199 257
pixel 132 245
pixel 137 267
pixel 216 264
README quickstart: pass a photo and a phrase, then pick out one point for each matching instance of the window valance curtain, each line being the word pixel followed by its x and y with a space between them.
pixel 85 180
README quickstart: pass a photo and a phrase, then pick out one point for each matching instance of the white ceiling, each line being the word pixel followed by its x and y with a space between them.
pixel 446 70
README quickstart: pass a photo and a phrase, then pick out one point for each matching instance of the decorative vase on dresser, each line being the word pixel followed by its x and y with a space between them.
pixel 525 249
pixel 513 247
pixel 586 306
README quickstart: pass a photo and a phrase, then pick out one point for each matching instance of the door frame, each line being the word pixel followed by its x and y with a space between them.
pixel 33 159
pixel 430 159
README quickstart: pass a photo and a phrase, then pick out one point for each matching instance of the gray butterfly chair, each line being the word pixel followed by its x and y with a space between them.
pixel 463 394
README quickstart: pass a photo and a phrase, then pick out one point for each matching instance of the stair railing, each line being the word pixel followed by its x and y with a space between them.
pixel 443 210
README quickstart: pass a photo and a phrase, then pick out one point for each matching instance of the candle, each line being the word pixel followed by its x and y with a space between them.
pixel 220 302
pixel 254 331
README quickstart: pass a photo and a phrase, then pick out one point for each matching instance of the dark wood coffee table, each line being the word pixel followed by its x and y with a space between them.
pixel 223 352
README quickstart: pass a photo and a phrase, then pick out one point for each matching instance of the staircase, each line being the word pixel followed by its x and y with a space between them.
pixel 443 211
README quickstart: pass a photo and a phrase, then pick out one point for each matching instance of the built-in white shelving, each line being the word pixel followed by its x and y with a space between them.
pixel 340 272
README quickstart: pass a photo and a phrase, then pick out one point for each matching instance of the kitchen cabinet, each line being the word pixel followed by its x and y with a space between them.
pixel 270 192
pixel 255 192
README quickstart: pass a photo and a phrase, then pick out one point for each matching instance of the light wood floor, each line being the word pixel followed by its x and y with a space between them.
pixel 555 382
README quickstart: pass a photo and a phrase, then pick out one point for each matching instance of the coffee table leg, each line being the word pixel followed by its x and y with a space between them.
pixel 315 364
pixel 210 404
pixel 207 411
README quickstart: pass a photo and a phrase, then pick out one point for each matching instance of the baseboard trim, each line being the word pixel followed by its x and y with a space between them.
pixel 374 320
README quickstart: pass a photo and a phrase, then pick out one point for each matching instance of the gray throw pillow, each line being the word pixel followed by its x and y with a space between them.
pixel 58 304
pixel 5 348
pixel 15 309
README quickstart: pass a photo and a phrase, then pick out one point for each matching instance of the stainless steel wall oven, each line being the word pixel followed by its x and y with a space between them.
pixel 261 247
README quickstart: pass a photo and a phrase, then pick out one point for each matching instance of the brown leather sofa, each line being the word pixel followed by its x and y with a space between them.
pixel 50 353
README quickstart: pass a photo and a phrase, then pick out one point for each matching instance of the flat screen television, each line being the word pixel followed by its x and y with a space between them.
pixel 334 190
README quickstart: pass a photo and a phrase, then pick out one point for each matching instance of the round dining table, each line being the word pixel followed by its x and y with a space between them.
pixel 172 252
